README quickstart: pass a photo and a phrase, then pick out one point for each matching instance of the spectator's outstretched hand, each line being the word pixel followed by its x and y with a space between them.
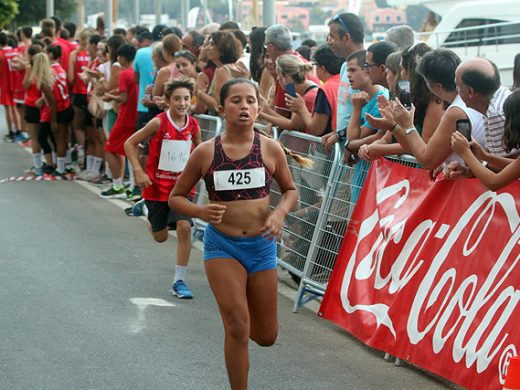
pixel 459 144
pixel 364 153
pixel 384 123
pixel 328 140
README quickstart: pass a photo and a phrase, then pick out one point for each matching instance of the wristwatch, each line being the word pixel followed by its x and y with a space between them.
pixel 346 146
pixel 410 130
pixel 341 134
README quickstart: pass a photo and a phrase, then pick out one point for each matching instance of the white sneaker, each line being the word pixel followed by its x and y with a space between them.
pixel 86 175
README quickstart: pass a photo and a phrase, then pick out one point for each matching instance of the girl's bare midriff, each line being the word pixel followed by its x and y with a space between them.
pixel 244 218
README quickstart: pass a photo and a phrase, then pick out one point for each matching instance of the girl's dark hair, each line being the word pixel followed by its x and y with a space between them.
pixel 516 72
pixel 34 49
pixel 227 45
pixel 438 66
pixel 186 54
pixel 172 85
pixel 126 51
pixel 512 123
pixel 256 62
pixel 420 93
pixel 114 43
pixel 94 39
pixel 55 50
pixel 224 92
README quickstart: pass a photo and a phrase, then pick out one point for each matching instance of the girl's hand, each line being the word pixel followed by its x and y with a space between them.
pixel 147 102
pixel 328 140
pixel 459 144
pixel 213 213
pixel 402 115
pixel 273 225
pixel 477 150
pixel 295 104
pixel 364 153
pixel 160 102
pixel 142 179
pixel 385 123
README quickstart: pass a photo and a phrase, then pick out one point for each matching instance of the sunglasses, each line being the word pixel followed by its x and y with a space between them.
pixel 337 18
pixel 367 65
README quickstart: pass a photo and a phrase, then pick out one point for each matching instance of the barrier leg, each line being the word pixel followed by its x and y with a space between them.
pixel 397 362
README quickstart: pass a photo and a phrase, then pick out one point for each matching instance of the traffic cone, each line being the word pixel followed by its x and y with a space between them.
pixel 513 374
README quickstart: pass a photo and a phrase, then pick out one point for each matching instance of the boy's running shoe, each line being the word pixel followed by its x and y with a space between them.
pixel 114 193
pixel 47 169
pixel 9 137
pixel 100 180
pixel 138 208
pixel 181 291
pixel 87 175
pixel 34 171
pixel 19 137
pixel 133 195
pixel 69 174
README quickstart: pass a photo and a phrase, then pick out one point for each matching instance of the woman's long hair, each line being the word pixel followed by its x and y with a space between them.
pixel 41 71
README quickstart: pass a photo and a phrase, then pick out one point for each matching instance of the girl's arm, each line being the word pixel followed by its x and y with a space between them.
pixel 162 77
pixel 282 175
pixel 213 102
pixel 70 71
pixel 131 150
pixel 295 123
pixel 51 101
pixel 113 81
pixel 26 83
pixel 493 181
pixel 315 123
pixel 434 113
pixel 211 212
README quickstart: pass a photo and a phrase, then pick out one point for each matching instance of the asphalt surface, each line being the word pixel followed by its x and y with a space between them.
pixel 85 305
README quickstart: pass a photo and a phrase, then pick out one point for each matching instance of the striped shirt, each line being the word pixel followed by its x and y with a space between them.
pixel 494 123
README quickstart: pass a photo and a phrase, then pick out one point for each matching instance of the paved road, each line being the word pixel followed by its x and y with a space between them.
pixel 73 268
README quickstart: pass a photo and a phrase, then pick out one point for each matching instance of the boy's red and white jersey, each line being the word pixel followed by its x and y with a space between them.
pixel 163 181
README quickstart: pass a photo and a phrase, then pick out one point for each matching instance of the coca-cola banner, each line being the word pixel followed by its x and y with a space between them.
pixel 428 272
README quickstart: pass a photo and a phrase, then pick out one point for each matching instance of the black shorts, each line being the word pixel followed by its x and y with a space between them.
pixel 160 216
pixel 32 114
pixel 65 116
pixel 80 101
pixel 142 120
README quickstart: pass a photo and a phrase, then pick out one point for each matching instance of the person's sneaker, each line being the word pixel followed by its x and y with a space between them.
pixel 180 290
pixel 34 171
pixel 133 195
pixel 137 209
pixel 19 137
pixel 57 175
pixel 113 193
pixel 87 175
pixel 47 169
pixel 101 180
pixel 9 137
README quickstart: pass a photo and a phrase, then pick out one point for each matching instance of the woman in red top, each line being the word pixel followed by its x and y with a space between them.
pixel 124 126
pixel 171 134
pixel 79 59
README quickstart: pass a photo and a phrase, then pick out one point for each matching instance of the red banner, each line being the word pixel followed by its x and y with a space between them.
pixel 428 272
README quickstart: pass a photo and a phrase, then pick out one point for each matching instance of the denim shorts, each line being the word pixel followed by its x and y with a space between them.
pixel 254 253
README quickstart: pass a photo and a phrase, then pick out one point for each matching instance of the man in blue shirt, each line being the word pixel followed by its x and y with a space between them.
pixel 144 70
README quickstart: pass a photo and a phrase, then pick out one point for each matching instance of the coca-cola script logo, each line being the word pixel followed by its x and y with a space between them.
pixel 439 275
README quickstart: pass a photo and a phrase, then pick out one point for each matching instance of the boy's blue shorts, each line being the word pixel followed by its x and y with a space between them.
pixel 254 253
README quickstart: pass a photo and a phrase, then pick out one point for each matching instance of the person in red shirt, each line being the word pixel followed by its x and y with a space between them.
pixel 7 53
pixel 49 30
pixel 171 134
pixel 64 112
pixel 78 61
pixel 124 127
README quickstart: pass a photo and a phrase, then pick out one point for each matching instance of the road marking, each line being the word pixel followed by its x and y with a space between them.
pixel 142 304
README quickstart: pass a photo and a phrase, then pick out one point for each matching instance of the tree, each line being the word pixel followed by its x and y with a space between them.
pixel 31 12
pixel 8 10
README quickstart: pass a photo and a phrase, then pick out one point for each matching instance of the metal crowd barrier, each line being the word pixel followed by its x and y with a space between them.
pixel 299 229
pixel 210 126
pixel 340 198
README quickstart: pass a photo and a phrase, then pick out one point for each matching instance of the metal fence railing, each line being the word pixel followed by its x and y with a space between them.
pixel 210 126
pixel 300 224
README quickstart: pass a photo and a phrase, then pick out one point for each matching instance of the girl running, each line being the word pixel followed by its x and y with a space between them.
pixel 173 127
pixel 240 239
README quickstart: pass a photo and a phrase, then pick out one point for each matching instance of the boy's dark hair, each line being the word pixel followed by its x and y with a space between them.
pixel 359 56
pixel 119 31
pixel 172 85
pixel 35 48
pixel 55 50
pixel 512 123
pixel 173 30
pixel 64 34
pixel 224 91
pixel 139 29
pixel 229 25
pixel 352 21
pixel 3 39
pixel 27 31
pixel 157 32
pixel 438 66
pixel 94 39
pixel 309 42
pixel 482 82
pixel 381 50
pixel 305 52
pixel 71 28
pixel 126 51
pixel 324 56
pixel 227 45
pixel 12 41
pixel 57 22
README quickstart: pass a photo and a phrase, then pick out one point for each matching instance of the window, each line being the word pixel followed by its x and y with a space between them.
pixel 388 19
pixel 378 18
pixel 483 36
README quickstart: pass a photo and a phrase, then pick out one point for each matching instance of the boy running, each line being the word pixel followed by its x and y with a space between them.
pixel 172 136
